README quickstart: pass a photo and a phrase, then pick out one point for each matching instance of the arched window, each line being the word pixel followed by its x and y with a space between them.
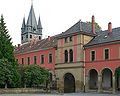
pixel 30 36
pixel 66 56
pixel 39 37
pixel 71 55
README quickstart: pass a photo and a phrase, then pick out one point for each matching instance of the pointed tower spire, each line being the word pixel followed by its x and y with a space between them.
pixel 31 22
pixel 31 2
pixel 39 24
pixel 23 25
pixel 31 30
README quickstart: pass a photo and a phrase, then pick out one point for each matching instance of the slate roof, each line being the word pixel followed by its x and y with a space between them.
pixel 39 26
pixel 105 37
pixel 31 25
pixel 79 27
pixel 35 46
pixel 31 18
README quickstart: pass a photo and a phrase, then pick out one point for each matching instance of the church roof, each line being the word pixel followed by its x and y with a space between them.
pixel 39 26
pixel 31 18
pixel 23 24
pixel 37 45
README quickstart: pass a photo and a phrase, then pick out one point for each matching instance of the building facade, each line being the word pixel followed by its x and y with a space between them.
pixel 102 61
pixel 69 67
pixel 81 58
pixel 40 52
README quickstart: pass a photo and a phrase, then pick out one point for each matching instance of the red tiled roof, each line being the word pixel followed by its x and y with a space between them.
pixel 37 45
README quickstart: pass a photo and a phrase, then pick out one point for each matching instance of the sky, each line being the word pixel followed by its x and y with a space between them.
pixel 58 15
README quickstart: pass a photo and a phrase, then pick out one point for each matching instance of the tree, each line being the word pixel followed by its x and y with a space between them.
pixel 34 75
pixel 6 47
pixel 97 26
pixel 118 71
pixel 6 72
pixel 7 56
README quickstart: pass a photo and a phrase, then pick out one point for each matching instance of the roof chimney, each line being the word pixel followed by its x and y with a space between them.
pixel 48 38
pixel 110 27
pixel 93 24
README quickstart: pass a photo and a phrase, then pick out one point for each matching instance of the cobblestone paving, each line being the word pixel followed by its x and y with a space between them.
pixel 69 94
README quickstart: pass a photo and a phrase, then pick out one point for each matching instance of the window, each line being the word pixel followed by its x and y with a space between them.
pixel 92 55
pixel 39 37
pixel 106 54
pixel 22 37
pixel 71 38
pixel 50 58
pixel 66 56
pixel 71 55
pixel 42 59
pixel 35 59
pixel 34 29
pixel 30 36
pixel 22 60
pixel 26 36
pixel 28 59
pixel 66 39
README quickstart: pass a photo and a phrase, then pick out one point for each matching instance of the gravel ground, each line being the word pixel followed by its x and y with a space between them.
pixel 62 94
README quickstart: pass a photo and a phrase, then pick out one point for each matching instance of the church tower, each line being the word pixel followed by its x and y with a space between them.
pixel 31 30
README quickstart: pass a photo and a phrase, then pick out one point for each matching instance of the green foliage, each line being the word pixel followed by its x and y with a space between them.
pixel 34 75
pixel 6 48
pixel 97 26
pixel 8 66
pixel 6 72
pixel 118 71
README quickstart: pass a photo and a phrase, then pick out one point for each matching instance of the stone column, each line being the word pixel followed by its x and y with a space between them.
pixel 86 83
pixel 113 83
pixel 68 56
pixel 99 83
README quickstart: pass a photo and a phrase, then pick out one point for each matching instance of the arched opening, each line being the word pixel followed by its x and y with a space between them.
pixel 93 81
pixel 117 77
pixel 71 55
pixel 69 83
pixel 106 79
pixel 66 56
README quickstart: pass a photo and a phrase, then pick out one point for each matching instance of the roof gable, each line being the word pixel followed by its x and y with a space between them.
pixel 80 27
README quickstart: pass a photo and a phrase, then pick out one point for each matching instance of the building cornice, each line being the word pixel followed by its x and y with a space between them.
pixel 21 53
pixel 102 44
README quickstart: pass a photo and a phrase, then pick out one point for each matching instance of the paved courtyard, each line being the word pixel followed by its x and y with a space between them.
pixel 69 94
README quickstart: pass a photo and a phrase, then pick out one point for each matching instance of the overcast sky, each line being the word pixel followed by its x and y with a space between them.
pixel 58 15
